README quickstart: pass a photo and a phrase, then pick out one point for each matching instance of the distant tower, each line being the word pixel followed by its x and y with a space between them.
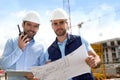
pixel 66 6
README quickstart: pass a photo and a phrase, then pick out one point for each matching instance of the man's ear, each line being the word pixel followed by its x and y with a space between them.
pixel 68 26
pixel 51 25
pixel 23 24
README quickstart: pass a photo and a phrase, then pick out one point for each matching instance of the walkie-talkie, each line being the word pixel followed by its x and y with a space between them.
pixel 19 29
pixel 20 32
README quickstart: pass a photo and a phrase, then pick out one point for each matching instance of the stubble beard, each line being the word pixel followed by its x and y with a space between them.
pixel 62 32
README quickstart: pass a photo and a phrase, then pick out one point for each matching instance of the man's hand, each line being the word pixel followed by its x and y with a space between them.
pixel 23 41
pixel 30 76
pixel 93 60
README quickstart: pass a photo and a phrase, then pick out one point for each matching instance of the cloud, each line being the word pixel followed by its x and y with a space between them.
pixel 9 27
pixel 19 14
pixel 99 24
pixel 105 7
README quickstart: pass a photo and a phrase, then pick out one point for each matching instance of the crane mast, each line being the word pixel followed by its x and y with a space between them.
pixel 66 6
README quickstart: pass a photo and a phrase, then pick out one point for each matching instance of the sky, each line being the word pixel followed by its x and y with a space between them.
pixel 100 18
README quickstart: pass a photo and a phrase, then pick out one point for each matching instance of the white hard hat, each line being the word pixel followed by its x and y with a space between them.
pixel 32 16
pixel 59 14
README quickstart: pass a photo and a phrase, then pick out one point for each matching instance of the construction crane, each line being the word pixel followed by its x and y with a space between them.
pixel 66 6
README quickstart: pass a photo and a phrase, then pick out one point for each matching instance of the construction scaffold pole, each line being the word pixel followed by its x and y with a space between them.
pixel 69 12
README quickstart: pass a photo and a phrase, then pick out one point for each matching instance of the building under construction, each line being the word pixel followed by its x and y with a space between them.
pixel 109 51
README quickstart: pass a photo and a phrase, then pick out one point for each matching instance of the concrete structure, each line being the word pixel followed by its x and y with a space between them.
pixel 111 54
pixel 111 50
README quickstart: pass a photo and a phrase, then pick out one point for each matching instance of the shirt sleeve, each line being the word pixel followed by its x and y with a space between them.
pixel 87 44
pixel 47 56
pixel 42 59
pixel 10 54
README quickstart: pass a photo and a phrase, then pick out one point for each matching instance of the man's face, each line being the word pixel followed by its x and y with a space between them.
pixel 30 28
pixel 59 27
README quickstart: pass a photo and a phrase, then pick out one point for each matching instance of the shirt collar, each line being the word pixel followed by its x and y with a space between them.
pixel 70 38
pixel 62 42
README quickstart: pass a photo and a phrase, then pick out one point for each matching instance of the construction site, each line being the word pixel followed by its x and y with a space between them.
pixel 108 51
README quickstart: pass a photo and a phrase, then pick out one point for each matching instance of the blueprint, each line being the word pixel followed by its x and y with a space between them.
pixel 67 67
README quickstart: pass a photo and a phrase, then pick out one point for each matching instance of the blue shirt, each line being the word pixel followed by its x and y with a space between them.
pixel 15 59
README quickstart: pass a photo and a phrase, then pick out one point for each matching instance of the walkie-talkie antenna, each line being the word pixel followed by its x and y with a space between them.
pixel 19 29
